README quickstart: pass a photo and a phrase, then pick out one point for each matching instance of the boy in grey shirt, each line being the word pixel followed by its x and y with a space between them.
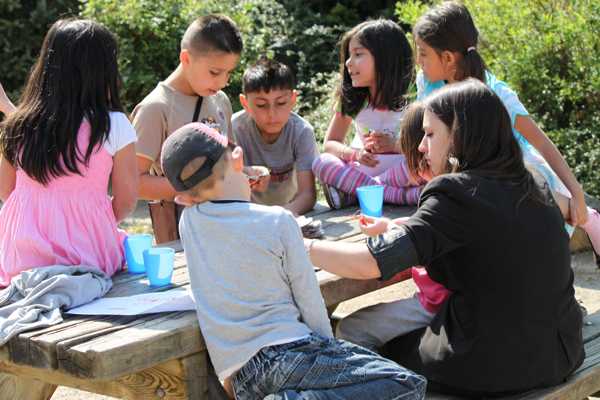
pixel 257 298
pixel 273 136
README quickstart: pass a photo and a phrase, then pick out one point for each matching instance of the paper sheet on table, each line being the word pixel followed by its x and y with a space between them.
pixel 146 303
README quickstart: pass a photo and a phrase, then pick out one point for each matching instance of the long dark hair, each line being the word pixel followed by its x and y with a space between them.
pixel 75 77
pixel 394 67
pixel 450 27
pixel 482 140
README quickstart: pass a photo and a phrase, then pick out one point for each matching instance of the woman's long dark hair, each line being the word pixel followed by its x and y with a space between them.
pixel 482 140
pixel 450 27
pixel 394 67
pixel 75 77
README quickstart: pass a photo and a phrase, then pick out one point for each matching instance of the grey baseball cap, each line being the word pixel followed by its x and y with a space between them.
pixel 184 145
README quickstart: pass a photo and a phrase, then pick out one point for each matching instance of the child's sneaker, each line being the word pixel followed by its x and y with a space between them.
pixel 337 199
pixel 592 228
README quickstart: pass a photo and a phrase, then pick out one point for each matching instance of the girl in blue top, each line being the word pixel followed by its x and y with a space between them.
pixel 446 40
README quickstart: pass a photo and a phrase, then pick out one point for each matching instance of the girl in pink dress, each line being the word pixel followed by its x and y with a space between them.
pixel 67 137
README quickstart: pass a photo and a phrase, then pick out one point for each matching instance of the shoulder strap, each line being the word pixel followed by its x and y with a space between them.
pixel 197 109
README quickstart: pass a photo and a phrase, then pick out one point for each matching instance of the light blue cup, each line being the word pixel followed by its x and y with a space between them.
pixel 159 265
pixel 134 252
pixel 371 200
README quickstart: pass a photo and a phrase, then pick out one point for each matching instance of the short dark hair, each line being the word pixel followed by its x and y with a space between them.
pixel 267 75
pixel 450 27
pixel 213 33
pixel 394 66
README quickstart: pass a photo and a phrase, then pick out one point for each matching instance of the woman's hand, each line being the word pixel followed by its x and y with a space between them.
pixel 578 213
pixel 380 142
pixel 370 226
pixel 367 158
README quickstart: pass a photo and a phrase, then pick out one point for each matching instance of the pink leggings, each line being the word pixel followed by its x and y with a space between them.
pixel 399 188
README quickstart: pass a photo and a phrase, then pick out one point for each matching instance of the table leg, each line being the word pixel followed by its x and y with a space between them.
pixel 19 388
pixel 200 379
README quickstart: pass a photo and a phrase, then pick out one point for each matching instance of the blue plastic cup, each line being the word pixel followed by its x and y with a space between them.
pixel 134 252
pixel 371 200
pixel 159 265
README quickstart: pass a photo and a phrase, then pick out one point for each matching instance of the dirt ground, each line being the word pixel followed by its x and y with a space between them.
pixel 587 291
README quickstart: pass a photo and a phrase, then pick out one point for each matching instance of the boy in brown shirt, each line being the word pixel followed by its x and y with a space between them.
pixel 210 51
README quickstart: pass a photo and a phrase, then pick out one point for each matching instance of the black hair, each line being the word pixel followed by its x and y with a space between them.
pixel 74 78
pixel 482 141
pixel 267 75
pixel 394 67
pixel 213 33
pixel 450 27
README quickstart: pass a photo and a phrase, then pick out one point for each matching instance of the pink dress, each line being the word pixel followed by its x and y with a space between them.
pixel 68 222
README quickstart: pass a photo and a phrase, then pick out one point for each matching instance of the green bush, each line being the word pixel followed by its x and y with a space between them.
pixel 549 53
pixel 581 148
pixel 23 25
pixel 149 33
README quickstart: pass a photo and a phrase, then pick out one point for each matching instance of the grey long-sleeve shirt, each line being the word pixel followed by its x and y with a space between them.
pixel 251 278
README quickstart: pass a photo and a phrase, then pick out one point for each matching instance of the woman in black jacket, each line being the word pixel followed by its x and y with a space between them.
pixel 493 236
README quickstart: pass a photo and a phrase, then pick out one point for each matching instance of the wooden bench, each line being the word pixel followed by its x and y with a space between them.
pixel 163 356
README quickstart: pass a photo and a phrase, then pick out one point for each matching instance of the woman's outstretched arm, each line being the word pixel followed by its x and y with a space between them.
pixel 350 260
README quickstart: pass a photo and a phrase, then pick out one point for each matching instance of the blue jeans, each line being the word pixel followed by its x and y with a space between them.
pixel 317 368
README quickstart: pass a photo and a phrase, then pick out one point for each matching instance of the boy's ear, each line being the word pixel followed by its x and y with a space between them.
pixel 237 159
pixel 184 57
pixel 244 101
pixel 294 97
pixel 184 199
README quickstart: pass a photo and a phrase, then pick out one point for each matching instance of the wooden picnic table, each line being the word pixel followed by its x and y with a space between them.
pixel 154 356
pixel 163 356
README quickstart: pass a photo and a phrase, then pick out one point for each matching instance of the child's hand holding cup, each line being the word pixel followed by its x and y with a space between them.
pixel 258 177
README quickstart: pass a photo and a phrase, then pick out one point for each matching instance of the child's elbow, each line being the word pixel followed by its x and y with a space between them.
pixel 123 211
pixel 124 204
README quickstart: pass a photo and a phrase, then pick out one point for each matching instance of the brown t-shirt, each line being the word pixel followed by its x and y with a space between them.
pixel 165 110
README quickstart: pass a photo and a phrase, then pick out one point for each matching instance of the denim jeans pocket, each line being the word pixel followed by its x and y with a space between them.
pixel 332 370
pixel 270 369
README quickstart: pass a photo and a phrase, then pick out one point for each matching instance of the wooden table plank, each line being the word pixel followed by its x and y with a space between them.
pixel 173 335
pixel 168 381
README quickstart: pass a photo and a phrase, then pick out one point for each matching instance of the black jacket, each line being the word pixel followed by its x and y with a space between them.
pixel 512 322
